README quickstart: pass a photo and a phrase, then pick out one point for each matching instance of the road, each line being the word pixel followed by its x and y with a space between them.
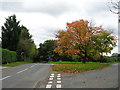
pixel 104 78
pixel 24 76
pixel 38 76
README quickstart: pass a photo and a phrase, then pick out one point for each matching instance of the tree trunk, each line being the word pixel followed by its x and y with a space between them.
pixel 101 57
pixel 85 57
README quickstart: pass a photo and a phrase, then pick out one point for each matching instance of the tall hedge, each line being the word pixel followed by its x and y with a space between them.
pixel 8 56
pixel 111 59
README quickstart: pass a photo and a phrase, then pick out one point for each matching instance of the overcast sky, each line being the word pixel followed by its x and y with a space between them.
pixel 44 18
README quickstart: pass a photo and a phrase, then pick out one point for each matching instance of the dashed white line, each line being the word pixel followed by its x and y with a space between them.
pixel 58 78
pixel 23 70
pixel 32 66
pixel 58 81
pixel 50 82
pixel 58 86
pixel 5 77
pixel 19 72
pixel 52 74
pixel 48 86
pixel 50 78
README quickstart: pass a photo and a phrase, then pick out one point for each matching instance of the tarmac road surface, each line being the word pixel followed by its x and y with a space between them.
pixel 24 76
pixel 104 78
pixel 38 76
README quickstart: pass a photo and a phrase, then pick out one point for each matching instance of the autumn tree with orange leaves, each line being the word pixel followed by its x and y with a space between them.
pixel 84 40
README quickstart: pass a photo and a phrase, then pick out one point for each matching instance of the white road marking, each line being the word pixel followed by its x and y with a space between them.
pixel 19 72
pixel 48 86
pixel 32 66
pixel 50 78
pixel 22 70
pixel 58 86
pixel 50 82
pixel 52 74
pixel 58 81
pixel 5 77
pixel 58 78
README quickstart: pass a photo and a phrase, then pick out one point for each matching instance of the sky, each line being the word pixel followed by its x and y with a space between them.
pixel 44 18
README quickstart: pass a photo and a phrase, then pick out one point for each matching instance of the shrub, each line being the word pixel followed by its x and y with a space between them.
pixel 111 59
pixel 8 56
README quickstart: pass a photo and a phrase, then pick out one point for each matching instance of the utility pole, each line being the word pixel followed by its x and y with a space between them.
pixel 119 27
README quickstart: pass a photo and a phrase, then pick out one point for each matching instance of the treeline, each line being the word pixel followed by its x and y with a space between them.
pixel 46 53
pixel 79 42
pixel 17 43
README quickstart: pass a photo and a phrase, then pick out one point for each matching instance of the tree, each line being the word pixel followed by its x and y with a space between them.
pixel 25 33
pixel 79 40
pixel 104 42
pixel 114 7
pixel 11 33
pixel 26 48
pixel 45 50
pixel 115 55
pixel 17 38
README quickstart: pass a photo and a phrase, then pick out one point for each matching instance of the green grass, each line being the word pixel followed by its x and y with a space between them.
pixel 15 64
pixel 79 67
pixel 64 62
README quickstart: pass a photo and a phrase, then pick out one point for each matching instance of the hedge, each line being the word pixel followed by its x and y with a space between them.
pixel 111 59
pixel 8 56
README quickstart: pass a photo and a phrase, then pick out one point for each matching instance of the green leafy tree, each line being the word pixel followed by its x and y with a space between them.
pixel 11 33
pixel 26 47
pixel 17 38
pixel 45 50
pixel 104 42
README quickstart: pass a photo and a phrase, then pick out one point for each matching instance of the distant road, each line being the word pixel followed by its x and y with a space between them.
pixel 24 76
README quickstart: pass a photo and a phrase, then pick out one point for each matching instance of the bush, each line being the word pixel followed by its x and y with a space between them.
pixel 8 56
pixel 111 59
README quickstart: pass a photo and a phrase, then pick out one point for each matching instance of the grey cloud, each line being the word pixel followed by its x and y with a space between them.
pixel 54 9
pixel 43 34
pixel 39 38
pixel 12 6
pixel 96 8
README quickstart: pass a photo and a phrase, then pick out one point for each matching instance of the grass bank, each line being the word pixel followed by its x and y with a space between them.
pixel 15 64
pixel 79 67
pixel 64 62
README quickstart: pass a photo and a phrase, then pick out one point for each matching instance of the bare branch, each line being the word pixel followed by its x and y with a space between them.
pixel 113 6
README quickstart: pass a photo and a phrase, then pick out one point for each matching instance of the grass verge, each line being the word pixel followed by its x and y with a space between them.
pixel 64 62
pixel 15 64
pixel 75 68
